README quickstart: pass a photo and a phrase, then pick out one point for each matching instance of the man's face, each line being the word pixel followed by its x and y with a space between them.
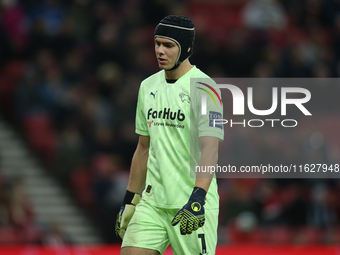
pixel 166 52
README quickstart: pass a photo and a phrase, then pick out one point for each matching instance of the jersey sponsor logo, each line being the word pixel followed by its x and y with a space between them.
pixel 209 93
pixel 166 124
pixel 166 113
pixel 149 123
pixel 184 97
pixel 153 94
pixel 215 116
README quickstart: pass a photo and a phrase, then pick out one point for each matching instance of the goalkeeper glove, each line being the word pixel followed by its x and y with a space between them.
pixel 126 212
pixel 191 215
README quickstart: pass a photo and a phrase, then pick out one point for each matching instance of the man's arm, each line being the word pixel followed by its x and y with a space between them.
pixel 191 215
pixel 139 165
pixel 136 183
pixel 209 157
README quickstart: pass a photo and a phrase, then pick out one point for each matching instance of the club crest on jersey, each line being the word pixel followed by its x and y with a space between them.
pixel 184 97
pixel 149 123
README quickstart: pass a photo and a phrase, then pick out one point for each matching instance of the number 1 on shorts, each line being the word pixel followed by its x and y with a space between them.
pixel 204 247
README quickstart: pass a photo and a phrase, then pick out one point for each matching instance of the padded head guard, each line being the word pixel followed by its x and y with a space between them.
pixel 181 30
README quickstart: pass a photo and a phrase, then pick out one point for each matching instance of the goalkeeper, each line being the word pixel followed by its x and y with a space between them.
pixel 175 208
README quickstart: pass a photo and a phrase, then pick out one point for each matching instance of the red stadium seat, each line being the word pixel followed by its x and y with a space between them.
pixel 41 136
pixel 8 235
pixel 310 235
pixel 9 78
pixel 279 234
pixel 216 18
pixel 81 181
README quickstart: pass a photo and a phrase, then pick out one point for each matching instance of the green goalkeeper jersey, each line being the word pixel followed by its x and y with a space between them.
pixel 170 113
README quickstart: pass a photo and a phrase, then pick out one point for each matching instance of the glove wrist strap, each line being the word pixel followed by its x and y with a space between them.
pixel 198 194
pixel 131 198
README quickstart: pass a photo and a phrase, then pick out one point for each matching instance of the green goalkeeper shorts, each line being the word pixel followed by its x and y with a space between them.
pixel 150 228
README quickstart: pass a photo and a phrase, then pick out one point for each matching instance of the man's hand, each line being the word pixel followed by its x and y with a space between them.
pixel 191 215
pixel 126 212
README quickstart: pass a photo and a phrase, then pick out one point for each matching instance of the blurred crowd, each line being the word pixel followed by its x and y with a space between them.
pixel 70 74
pixel 18 221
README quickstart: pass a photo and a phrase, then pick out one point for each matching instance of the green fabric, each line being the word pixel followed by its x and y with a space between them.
pixel 164 113
pixel 150 228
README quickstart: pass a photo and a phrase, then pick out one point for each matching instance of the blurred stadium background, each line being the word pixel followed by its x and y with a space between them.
pixel 69 78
